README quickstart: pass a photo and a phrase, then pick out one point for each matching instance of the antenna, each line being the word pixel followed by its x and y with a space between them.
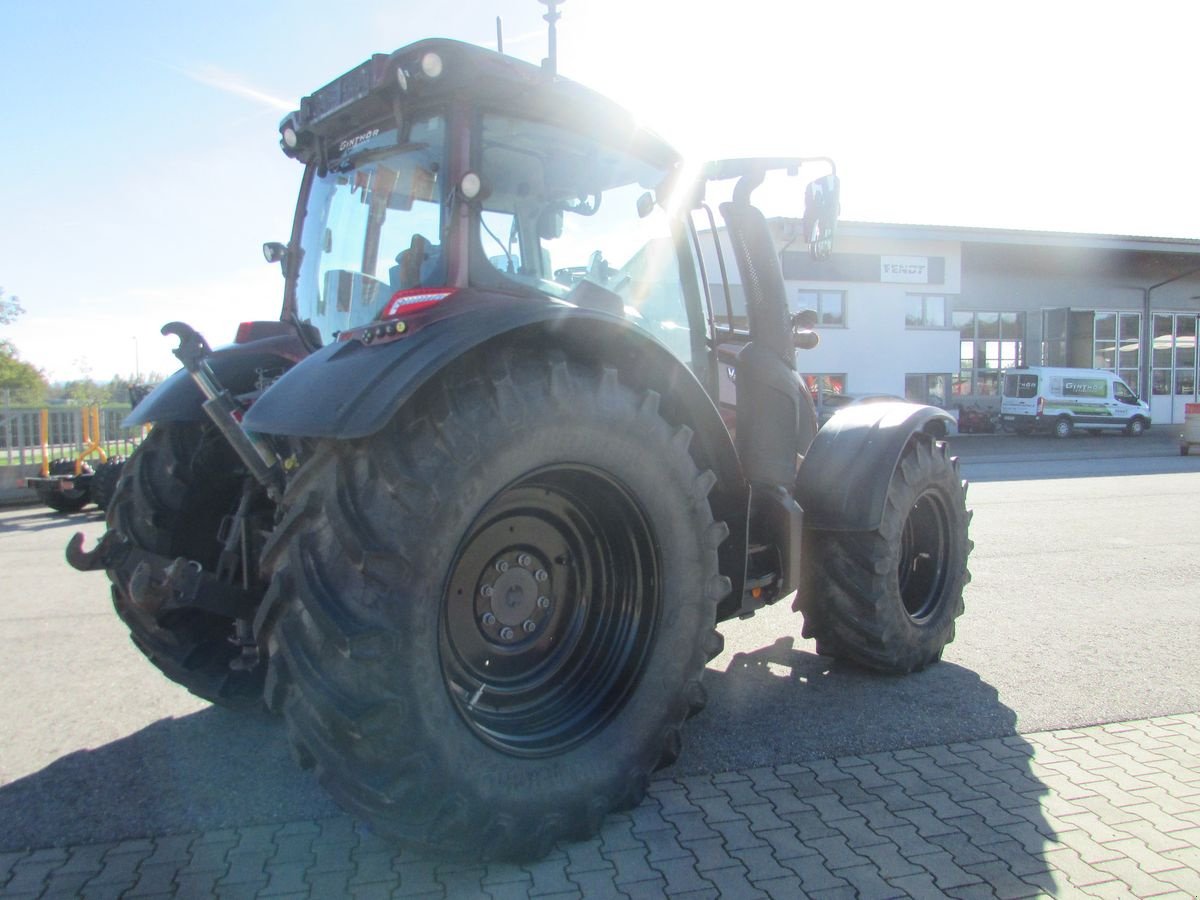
pixel 550 64
pixel 499 35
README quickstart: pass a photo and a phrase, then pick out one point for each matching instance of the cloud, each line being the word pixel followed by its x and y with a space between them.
pixel 232 84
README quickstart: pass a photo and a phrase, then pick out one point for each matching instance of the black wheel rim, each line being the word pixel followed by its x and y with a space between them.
pixel 550 610
pixel 924 546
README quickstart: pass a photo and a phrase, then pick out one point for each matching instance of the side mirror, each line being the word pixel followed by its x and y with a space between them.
pixel 274 252
pixel 822 205
pixel 803 336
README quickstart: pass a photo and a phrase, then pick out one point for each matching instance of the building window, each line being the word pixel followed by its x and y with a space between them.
pixel 988 343
pixel 924 388
pixel 1174 355
pixel 925 311
pixel 830 306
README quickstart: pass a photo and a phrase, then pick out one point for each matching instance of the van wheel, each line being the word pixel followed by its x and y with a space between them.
pixel 1063 427
pixel 1136 427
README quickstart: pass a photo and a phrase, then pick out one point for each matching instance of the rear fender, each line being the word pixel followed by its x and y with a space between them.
pixel 349 390
pixel 237 367
pixel 843 481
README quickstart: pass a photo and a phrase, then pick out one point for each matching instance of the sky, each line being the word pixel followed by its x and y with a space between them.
pixel 140 170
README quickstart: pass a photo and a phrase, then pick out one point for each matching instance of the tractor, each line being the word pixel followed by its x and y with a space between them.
pixel 468 515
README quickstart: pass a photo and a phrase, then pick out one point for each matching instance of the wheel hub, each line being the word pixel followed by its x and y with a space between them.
pixel 514 598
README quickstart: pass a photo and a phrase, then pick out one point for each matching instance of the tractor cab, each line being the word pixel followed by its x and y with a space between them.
pixel 445 175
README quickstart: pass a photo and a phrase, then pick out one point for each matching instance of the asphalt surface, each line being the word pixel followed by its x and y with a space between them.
pixel 1082 611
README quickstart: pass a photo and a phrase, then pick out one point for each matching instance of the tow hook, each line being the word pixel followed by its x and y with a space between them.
pixel 99 557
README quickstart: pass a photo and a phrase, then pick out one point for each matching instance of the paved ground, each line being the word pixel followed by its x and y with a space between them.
pixel 1109 811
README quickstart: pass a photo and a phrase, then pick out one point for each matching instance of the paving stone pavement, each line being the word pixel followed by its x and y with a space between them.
pixel 1105 811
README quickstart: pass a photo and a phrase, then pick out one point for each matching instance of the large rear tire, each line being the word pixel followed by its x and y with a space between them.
pixel 176 489
pixel 488 622
pixel 888 598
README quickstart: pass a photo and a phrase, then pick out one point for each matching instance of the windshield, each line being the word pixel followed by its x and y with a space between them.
pixel 580 222
pixel 372 226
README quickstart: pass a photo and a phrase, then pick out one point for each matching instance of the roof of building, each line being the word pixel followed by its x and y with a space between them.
pixel 1020 237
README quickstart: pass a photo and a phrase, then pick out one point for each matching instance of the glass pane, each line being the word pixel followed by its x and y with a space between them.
pixel 914 313
pixel 1106 326
pixel 1131 327
pixel 966 354
pixel 1185 381
pixel 833 310
pixel 1105 355
pixel 988 383
pixel 1130 377
pixel 989 325
pixel 935 312
pixel 962 384
pixel 914 388
pixel 1010 325
pixel 1163 341
pixel 937 390
pixel 965 323
pixel 1162 381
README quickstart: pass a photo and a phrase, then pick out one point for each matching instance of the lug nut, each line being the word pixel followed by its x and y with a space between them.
pixel 543 602
pixel 486 590
pixel 524 560
pixel 541 575
pixel 489 619
pixel 530 626
pixel 502 566
pixel 506 633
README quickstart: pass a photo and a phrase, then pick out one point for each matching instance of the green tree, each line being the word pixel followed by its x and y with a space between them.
pixel 9 309
pixel 20 382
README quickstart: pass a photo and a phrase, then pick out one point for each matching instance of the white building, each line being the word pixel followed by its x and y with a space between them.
pixel 935 313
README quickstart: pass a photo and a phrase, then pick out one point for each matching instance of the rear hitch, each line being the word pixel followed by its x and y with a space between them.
pixel 254 450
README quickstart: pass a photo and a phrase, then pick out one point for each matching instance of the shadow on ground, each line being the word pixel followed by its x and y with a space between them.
pixel 219 769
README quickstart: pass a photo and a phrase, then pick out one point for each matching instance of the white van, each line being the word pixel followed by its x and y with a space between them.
pixel 1039 398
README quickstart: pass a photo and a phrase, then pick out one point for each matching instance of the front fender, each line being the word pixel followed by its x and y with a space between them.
pixel 843 482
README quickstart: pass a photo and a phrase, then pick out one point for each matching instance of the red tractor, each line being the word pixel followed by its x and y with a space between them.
pixel 467 516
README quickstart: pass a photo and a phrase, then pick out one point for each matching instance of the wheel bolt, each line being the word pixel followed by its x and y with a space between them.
pixel 486 590
pixel 530 626
pixel 543 602
pixel 502 566
pixel 541 575
pixel 524 560
pixel 506 633
pixel 489 619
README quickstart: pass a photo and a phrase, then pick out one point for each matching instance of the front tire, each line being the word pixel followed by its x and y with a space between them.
pixel 1063 427
pixel 1136 427
pixel 175 490
pixel 888 599
pixel 488 622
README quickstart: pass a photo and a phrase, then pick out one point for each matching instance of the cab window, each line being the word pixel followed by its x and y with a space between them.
pixel 577 221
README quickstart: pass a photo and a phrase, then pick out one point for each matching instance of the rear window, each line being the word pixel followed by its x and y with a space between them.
pixel 1020 386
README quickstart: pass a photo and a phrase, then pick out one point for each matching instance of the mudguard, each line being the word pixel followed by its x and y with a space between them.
pixel 843 482
pixel 236 367
pixel 350 390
